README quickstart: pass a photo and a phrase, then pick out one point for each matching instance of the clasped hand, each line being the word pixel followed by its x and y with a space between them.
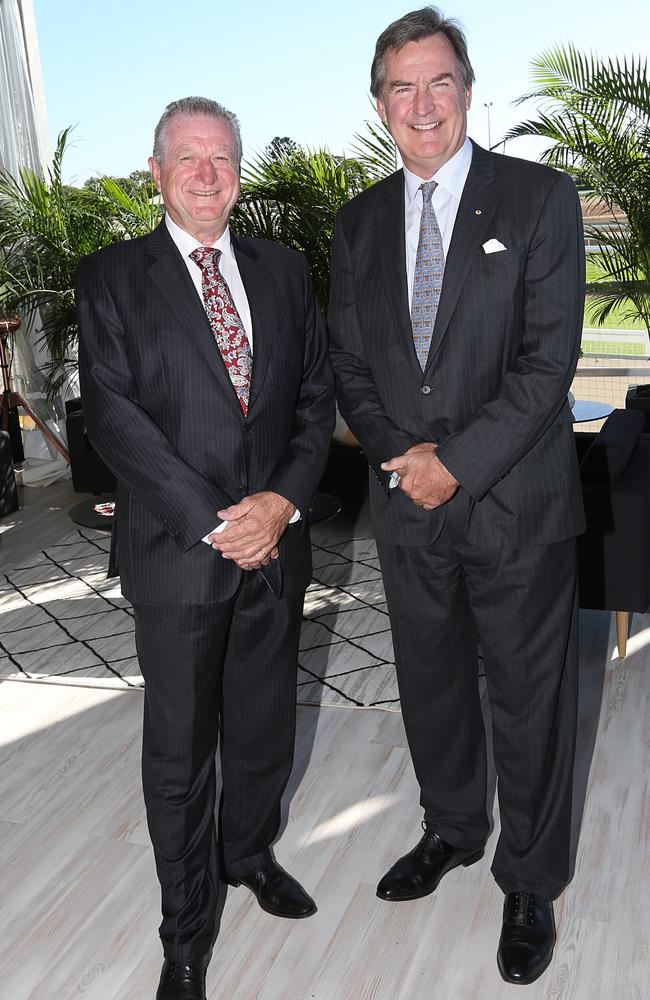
pixel 423 477
pixel 255 526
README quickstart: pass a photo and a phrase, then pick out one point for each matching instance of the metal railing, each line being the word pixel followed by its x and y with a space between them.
pixel 607 380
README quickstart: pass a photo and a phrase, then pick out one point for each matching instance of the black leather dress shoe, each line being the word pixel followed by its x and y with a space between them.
pixel 527 938
pixel 182 980
pixel 419 872
pixel 276 891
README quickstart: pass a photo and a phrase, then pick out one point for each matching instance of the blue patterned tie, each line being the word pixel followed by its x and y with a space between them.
pixel 427 277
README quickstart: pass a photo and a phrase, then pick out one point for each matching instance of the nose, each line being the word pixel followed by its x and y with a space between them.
pixel 207 171
pixel 424 102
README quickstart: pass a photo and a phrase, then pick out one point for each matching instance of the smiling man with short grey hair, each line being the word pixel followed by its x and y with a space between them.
pixel 207 391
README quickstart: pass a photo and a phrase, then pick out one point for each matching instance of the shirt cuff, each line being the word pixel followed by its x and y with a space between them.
pixel 224 524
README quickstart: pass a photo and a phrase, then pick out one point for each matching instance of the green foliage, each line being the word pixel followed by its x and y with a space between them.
pixel 376 150
pixel 139 183
pixel 291 195
pixel 596 115
pixel 46 226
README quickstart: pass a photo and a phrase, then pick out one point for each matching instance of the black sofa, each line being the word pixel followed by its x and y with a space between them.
pixel 614 552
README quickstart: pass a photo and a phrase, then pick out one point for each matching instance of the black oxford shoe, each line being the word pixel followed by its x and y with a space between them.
pixel 276 891
pixel 419 872
pixel 527 938
pixel 182 980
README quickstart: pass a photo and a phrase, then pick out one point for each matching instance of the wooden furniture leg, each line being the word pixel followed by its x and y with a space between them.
pixel 622 626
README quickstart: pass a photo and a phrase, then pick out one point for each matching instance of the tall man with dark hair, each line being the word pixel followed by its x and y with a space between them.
pixel 207 391
pixel 455 321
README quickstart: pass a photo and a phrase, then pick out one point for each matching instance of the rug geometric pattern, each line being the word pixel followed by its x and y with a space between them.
pixel 61 619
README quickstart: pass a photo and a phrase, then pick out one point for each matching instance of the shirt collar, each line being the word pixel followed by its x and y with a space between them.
pixel 186 243
pixel 451 176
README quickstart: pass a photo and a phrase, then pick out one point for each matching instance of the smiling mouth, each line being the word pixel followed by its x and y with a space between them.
pixel 204 194
pixel 427 127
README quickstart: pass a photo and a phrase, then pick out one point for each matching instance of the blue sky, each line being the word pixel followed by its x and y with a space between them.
pixel 284 67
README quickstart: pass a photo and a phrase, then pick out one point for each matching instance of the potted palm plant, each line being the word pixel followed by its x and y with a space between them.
pixel 46 226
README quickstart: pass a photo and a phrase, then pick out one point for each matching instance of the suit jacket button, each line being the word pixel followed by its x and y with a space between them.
pixel 425 390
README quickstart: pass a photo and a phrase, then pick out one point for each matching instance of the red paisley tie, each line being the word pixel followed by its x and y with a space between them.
pixel 226 322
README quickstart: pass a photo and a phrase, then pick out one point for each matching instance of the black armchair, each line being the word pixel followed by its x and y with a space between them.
pixel 614 552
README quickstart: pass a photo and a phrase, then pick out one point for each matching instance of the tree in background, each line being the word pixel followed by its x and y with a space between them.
pixel 291 194
pixel 596 113
pixel 138 183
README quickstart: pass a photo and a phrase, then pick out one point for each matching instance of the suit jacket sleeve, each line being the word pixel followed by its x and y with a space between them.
pixel 302 466
pixel 357 394
pixel 535 388
pixel 133 446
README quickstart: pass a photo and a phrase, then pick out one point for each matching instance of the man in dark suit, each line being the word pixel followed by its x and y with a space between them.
pixel 455 321
pixel 207 390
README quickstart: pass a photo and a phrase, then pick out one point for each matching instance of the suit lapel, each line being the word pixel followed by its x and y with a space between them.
pixel 261 300
pixel 475 212
pixel 392 249
pixel 169 274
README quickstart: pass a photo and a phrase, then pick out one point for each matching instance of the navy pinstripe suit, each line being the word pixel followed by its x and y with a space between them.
pixel 497 562
pixel 217 646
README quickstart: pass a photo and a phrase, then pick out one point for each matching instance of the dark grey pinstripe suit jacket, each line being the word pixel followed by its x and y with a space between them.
pixel 503 352
pixel 161 410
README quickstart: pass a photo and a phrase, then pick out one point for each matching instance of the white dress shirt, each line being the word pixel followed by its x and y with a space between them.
pixel 186 243
pixel 450 179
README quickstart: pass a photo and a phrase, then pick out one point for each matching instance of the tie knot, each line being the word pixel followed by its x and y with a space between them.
pixel 206 257
pixel 427 189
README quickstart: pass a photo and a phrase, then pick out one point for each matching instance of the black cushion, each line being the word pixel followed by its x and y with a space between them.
pixel 608 456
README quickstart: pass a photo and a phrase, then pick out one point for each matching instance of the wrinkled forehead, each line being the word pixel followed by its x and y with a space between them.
pixel 201 129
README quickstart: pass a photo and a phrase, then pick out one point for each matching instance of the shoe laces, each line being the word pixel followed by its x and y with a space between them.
pixel 267 871
pixel 523 907
pixel 429 835
pixel 182 970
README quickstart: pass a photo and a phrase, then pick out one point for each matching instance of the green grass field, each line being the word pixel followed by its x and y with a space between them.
pixel 615 320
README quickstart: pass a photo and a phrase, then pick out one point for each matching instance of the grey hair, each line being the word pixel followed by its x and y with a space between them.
pixel 194 106
pixel 414 27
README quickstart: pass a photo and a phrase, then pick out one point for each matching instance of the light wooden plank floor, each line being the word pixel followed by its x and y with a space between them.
pixel 80 901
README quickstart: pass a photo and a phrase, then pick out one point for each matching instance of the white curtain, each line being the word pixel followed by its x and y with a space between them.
pixel 19 142
pixel 21 146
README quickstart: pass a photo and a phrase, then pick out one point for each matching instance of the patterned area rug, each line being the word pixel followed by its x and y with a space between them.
pixel 62 620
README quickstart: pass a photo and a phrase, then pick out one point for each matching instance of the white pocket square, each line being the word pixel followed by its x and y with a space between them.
pixel 493 246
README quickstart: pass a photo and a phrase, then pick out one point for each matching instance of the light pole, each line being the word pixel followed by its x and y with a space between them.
pixel 487 105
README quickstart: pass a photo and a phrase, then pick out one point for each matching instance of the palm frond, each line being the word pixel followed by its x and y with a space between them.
pixel 291 194
pixel 376 150
pixel 46 226
pixel 595 115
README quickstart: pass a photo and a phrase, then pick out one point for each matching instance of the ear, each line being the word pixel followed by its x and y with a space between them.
pixel 154 168
pixel 381 110
pixel 468 98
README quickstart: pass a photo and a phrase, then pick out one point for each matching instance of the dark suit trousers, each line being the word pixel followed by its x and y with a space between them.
pixel 214 672
pixel 521 605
